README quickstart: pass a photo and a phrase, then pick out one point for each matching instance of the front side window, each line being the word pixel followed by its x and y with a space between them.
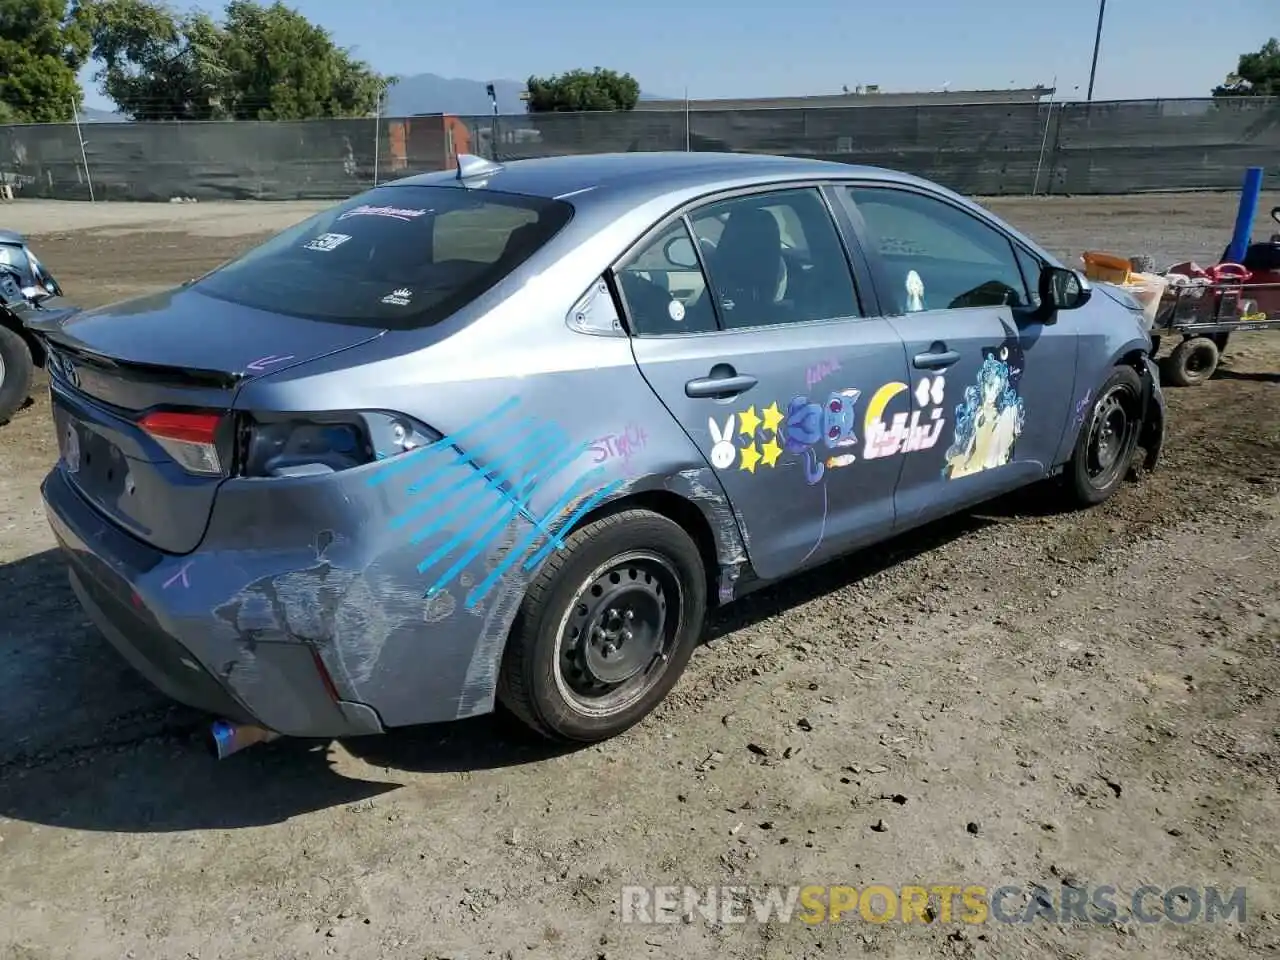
pixel 775 258
pixel 937 256
pixel 398 257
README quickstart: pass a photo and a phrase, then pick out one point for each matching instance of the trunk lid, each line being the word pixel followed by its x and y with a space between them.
pixel 178 350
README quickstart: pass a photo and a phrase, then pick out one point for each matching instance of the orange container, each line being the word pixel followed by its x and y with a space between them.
pixel 1106 267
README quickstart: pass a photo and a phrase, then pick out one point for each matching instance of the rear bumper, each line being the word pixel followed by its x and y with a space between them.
pixel 193 659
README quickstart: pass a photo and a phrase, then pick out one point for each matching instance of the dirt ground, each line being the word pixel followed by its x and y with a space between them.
pixel 1015 696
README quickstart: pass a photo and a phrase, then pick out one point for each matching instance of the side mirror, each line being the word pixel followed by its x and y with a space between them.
pixel 680 251
pixel 1063 289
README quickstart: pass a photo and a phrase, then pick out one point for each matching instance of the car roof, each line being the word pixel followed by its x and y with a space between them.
pixel 647 175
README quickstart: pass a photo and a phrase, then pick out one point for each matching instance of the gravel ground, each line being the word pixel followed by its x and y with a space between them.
pixel 1014 696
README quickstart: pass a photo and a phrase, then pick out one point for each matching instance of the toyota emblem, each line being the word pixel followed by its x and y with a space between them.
pixel 72 375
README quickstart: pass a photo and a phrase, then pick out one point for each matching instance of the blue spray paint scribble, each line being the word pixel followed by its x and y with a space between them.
pixel 474 494
pixel 991 401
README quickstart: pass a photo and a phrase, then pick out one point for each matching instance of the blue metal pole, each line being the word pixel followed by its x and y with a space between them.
pixel 1249 197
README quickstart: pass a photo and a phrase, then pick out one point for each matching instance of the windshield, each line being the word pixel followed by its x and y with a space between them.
pixel 398 257
pixel 14 257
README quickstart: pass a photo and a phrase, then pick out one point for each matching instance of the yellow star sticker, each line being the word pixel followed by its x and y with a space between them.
pixel 771 452
pixel 750 422
pixel 750 457
pixel 772 417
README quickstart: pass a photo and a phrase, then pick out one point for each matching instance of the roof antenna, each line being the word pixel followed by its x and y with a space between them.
pixel 470 166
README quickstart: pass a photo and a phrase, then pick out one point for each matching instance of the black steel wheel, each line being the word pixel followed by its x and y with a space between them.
pixel 1107 440
pixel 618 633
pixel 1190 363
pixel 606 628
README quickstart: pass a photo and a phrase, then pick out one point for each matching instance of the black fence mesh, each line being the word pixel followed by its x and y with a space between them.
pixel 980 149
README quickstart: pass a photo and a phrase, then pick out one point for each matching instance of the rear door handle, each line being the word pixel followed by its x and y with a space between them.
pixel 717 387
pixel 933 361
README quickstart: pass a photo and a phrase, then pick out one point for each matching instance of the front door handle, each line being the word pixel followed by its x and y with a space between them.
pixel 719 387
pixel 935 361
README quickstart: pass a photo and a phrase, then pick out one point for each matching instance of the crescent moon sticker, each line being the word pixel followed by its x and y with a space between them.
pixel 879 400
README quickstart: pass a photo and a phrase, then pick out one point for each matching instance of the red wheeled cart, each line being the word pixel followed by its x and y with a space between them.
pixel 1212 305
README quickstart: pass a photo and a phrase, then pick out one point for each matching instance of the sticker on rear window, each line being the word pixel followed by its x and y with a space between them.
pixel 326 242
pixel 407 214
pixel 399 297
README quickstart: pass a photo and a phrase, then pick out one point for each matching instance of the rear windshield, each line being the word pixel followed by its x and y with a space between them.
pixel 398 257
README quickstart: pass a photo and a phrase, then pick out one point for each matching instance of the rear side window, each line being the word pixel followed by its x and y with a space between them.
pixel 399 257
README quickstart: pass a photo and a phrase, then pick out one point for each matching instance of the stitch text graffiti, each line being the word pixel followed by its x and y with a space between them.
pixel 620 446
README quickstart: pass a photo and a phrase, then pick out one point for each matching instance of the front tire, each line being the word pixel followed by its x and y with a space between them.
pixel 1107 441
pixel 16 368
pixel 606 629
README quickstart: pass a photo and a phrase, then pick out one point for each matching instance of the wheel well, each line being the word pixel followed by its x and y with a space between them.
pixel 1135 359
pixel 673 507
pixel 7 319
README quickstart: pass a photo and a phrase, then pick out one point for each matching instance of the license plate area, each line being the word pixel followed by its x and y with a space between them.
pixel 96 465
pixel 69 444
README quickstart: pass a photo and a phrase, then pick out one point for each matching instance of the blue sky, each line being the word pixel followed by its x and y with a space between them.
pixel 718 48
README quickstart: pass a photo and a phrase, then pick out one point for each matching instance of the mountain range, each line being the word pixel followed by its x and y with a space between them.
pixel 420 93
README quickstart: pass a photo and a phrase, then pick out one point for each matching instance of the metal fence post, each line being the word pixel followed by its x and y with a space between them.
pixel 84 156
pixel 377 136
pixel 1044 141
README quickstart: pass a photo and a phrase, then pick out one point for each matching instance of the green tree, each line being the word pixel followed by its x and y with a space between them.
pixel 259 63
pixel 580 90
pixel 1256 75
pixel 157 64
pixel 283 67
pixel 43 45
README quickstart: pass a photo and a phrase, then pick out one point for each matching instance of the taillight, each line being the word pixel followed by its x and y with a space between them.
pixel 292 445
pixel 190 438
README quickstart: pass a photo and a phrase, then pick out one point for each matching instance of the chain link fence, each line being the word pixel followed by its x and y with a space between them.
pixel 979 149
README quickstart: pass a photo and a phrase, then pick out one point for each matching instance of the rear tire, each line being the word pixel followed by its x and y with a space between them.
pixel 1108 440
pixel 16 368
pixel 1190 363
pixel 606 629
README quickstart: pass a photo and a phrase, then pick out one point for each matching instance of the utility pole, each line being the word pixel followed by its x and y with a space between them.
pixel 1097 44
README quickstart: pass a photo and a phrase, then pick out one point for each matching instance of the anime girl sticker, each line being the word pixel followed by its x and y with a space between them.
pixel 990 418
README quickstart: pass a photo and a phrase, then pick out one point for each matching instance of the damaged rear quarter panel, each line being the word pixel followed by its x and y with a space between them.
pixel 406 575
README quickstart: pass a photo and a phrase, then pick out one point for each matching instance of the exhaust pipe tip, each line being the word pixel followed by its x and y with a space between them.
pixel 227 738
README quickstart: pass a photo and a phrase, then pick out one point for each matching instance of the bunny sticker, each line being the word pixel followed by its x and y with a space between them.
pixel 724 452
